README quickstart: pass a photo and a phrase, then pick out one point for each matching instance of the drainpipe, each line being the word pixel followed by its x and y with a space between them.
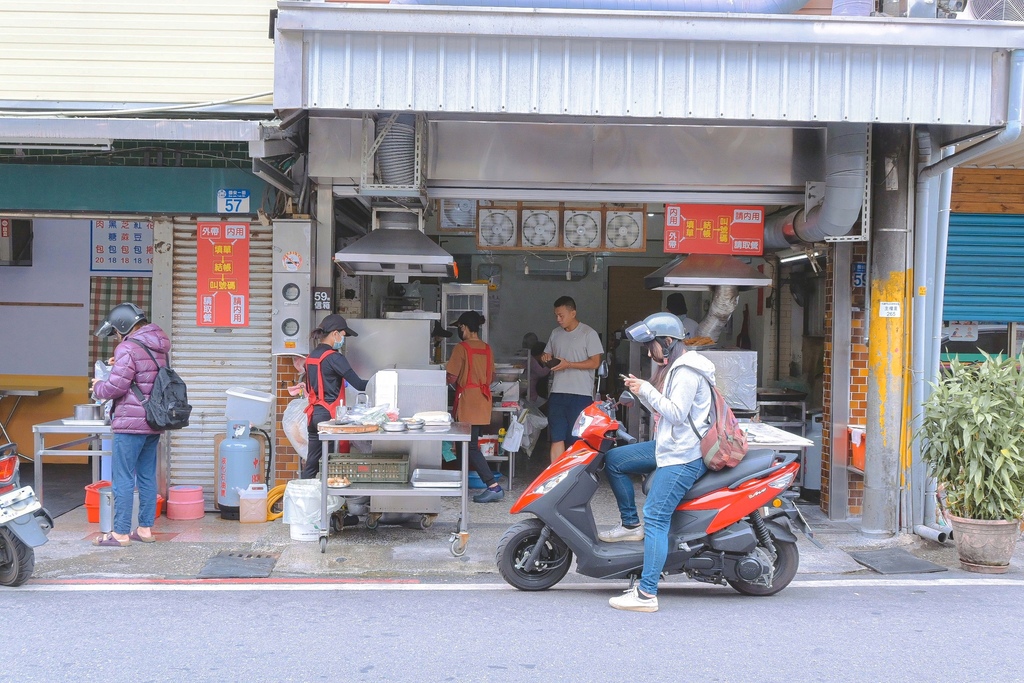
pixel 930 528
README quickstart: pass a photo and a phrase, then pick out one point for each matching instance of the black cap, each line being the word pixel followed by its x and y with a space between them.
pixel 470 319
pixel 334 323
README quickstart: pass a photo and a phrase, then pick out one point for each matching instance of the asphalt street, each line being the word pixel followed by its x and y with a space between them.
pixel 863 629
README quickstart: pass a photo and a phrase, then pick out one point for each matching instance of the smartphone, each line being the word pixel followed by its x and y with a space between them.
pixel 552 363
pixel 621 376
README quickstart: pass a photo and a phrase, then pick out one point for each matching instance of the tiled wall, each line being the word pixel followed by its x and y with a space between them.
pixel 857 398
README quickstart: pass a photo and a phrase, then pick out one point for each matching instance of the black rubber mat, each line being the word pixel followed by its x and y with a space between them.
pixel 63 485
pixel 895 561
pixel 239 564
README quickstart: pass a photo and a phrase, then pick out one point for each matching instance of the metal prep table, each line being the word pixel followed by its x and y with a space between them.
pixel 17 393
pixel 761 435
pixel 95 433
pixel 459 432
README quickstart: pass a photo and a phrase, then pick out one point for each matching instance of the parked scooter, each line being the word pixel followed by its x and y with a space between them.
pixel 23 522
pixel 733 526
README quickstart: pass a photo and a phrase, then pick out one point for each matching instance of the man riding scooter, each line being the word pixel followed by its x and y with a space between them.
pixel 678 397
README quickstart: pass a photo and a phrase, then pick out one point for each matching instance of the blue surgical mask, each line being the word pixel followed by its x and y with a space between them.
pixel 339 344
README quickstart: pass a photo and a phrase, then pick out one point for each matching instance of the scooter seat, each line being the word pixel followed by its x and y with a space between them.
pixel 754 461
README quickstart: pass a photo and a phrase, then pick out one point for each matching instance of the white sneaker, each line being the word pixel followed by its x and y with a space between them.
pixel 633 601
pixel 621 533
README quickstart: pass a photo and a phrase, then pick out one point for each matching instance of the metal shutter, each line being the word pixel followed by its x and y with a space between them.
pixel 212 360
pixel 985 268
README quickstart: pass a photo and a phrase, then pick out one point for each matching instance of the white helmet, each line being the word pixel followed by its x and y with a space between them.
pixel 656 325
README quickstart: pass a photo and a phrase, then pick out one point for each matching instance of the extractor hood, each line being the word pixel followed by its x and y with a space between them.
pixel 701 272
pixel 399 252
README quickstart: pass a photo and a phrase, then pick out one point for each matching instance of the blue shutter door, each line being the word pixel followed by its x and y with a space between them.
pixel 985 268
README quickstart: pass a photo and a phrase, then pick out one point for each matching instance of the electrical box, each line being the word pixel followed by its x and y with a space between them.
pixel 292 312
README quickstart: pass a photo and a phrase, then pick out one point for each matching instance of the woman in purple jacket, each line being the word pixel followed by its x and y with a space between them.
pixel 135 442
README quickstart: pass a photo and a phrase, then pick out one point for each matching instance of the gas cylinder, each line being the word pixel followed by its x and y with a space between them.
pixel 238 460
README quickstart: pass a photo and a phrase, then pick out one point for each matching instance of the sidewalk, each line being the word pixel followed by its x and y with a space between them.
pixel 395 552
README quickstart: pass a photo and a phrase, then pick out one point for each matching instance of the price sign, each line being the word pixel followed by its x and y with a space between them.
pixel 232 201
pixel 963 330
pixel 322 299
pixel 714 229
pixel 222 277
pixel 121 246
pixel 860 274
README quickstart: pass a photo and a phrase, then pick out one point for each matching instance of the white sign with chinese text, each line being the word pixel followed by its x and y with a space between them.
pixel 232 201
pixel 888 309
pixel 122 246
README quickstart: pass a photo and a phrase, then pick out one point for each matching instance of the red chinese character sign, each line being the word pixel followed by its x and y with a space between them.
pixel 222 280
pixel 714 229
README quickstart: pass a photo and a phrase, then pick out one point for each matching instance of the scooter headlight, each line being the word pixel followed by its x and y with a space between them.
pixel 582 422
pixel 550 483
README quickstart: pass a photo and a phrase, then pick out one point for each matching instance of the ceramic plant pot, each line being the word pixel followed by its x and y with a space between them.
pixel 985 546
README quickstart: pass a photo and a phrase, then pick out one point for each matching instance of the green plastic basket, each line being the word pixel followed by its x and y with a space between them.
pixel 392 469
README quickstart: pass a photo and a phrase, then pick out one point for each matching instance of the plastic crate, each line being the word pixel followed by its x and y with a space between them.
pixel 390 469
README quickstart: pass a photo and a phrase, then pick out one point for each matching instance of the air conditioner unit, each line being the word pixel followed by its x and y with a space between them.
pixel 497 228
pixel 625 230
pixel 581 230
pixel 457 215
pixel 541 228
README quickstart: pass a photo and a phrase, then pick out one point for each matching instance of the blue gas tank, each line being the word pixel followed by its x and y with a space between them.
pixel 238 461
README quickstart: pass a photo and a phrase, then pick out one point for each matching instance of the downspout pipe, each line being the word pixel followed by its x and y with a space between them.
pixel 846 148
pixel 730 6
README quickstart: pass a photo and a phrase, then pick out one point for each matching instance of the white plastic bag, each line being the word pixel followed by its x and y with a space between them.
pixel 513 437
pixel 302 502
pixel 295 426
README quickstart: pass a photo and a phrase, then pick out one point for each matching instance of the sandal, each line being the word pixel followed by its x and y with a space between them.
pixel 108 541
pixel 141 539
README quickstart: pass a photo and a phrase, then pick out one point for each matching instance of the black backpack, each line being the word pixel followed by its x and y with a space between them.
pixel 167 406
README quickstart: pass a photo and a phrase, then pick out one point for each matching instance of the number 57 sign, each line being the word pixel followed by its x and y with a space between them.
pixel 232 201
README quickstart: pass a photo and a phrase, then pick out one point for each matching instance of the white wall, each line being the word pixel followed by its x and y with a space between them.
pixel 48 340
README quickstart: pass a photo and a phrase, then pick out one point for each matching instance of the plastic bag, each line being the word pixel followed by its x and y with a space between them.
pixel 302 502
pixel 295 426
pixel 513 437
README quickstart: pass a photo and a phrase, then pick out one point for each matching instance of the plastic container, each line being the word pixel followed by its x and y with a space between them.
pixel 252 504
pixel 92 500
pixel 858 447
pixel 370 468
pixel 488 444
pixel 475 482
pixel 248 405
pixel 185 502
pixel 303 532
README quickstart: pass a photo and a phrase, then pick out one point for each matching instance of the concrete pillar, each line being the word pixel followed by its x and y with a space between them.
pixel 892 193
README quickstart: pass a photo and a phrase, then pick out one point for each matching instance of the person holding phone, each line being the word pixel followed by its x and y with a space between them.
pixel 573 353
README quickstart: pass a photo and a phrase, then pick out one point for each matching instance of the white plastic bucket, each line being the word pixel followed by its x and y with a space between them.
pixel 303 532
pixel 248 405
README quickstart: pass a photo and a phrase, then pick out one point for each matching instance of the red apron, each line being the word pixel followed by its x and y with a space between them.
pixel 317 399
pixel 485 389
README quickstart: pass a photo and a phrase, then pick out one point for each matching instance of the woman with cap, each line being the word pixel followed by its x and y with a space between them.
pixel 140 353
pixel 327 370
pixel 471 370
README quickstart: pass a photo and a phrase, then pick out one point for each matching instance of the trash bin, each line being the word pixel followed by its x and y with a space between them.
pixel 858 446
pixel 302 508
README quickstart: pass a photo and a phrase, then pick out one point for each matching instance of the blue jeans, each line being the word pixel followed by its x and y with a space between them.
pixel 637 458
pixel 667 490
pixel 563 409
pixel 134 464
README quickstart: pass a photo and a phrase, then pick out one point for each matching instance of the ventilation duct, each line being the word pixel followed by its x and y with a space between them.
pixel 845 176
pixel 729 6
pixel 723 303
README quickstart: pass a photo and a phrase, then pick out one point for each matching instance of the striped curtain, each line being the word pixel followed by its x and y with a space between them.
pixel 104 294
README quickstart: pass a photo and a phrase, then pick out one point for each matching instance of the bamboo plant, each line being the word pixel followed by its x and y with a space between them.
pixel 973 438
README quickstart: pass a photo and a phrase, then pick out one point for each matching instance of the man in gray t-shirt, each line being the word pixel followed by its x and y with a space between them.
pixel 579 349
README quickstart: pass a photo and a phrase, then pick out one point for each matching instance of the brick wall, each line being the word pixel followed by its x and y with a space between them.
pixel 858 397
pixel 287 464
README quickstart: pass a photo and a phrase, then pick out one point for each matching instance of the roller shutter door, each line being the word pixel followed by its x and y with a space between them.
pixel 211 360
pixel 985 268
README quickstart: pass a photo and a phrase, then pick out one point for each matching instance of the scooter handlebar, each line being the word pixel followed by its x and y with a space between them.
pixel 623 435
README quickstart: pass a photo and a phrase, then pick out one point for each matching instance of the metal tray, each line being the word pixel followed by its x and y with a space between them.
pixel 436 479
pixel 70 422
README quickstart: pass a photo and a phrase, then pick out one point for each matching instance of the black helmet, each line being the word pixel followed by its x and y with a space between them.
pixel 122 318
pixel 656 325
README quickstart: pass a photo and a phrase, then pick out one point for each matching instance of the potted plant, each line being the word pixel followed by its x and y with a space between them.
pixel 973 440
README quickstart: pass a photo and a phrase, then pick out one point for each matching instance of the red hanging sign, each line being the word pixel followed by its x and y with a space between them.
pixel 222 280
pixel 714 229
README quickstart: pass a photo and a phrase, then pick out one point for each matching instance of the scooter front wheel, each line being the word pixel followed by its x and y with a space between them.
pixel 787 560
pixel 516 547
pixel 17 560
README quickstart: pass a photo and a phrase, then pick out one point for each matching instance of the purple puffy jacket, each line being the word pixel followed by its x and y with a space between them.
pixel 132 363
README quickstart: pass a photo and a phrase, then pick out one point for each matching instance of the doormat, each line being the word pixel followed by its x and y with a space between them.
pixel 895 561
pixel 239 564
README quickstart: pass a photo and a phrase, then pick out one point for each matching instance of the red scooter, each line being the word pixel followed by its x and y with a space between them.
pixel 733 526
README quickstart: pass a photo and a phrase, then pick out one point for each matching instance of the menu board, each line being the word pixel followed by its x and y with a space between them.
pixel 222 274
pixel 714 229
pixel 122 246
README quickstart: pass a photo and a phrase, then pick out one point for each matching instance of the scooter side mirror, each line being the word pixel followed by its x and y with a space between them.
pixel 627 399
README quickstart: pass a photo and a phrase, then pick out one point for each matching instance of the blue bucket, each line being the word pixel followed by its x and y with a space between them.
pixel 475 482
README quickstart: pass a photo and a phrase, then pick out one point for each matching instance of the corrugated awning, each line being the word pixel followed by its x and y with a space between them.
pixel 639 66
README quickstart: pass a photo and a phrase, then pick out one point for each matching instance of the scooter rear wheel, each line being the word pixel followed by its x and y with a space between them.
pixel 17 560
pixel 516 546
pixel 787 560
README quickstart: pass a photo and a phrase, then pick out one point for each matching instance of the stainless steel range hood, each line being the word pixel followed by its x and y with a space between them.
pixel 396 246
pixel 701 272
